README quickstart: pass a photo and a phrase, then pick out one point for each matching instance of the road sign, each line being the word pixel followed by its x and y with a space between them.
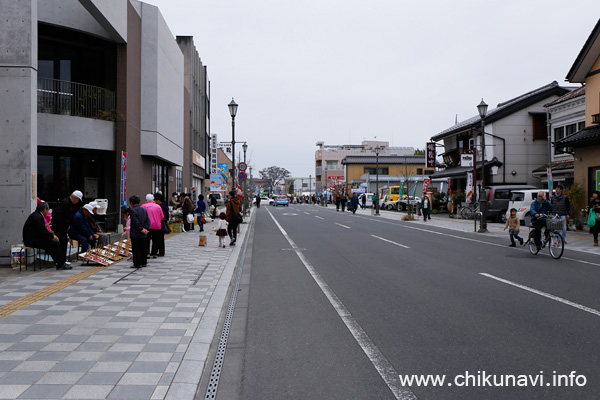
pixel 242 166
pixel 242 176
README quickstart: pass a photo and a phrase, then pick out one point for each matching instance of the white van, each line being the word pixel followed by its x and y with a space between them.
pixel 521 200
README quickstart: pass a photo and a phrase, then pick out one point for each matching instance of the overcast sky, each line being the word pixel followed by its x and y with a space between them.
pixel 341 71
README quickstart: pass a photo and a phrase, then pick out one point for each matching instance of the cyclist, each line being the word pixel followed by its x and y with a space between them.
pixel 539 206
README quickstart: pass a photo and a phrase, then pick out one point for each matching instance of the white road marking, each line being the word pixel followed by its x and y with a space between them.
pixel 316 216
pixel 381 364
pixel 306 213
pixel 343 226
pixel 544 294
pixel 389 241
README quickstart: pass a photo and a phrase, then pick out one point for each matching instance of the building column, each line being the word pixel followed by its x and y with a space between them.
pixel 18 119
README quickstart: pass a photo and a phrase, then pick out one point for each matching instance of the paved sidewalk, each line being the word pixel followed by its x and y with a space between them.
pixel 119 333
pixel 576 240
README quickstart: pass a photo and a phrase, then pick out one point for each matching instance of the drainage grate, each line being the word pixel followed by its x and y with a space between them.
pixel 211 391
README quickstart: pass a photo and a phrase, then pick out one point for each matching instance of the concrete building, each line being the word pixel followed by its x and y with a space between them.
pixel 197 121
pixel 84 82
pixel 328 159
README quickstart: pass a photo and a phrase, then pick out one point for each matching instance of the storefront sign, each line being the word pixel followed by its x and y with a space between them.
pixel 466 160
pixel 336 178
pixel 430 154
pixel 199 160
pixel 426 183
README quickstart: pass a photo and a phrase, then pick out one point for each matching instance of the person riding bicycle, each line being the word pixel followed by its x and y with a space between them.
pixel 539 207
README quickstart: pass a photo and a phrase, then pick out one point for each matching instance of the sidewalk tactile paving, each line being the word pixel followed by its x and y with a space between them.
pixel 107 332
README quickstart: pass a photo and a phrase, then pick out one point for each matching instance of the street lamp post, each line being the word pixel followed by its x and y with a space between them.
pixel 245 147
pixel 233 110
pixel 377 181
pixel 482 109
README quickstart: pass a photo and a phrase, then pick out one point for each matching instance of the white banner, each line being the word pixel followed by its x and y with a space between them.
pixel 469 188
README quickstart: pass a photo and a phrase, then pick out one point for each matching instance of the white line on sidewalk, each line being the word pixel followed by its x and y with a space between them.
pixel 343 226
pixel 316 216
pixel 381 364
pixel 389 241
pixel 544 294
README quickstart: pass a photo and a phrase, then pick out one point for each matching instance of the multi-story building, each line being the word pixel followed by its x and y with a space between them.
pixel 328 159
pixel 567 116
pixel 88 84
pixel 197 122
pixel 516 141
pixel 585 144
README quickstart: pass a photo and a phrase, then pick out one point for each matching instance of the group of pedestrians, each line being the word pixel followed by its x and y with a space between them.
pixel 69 219
pixel 541 208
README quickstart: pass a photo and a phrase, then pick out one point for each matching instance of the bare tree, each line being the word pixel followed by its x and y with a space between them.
pixel 274 175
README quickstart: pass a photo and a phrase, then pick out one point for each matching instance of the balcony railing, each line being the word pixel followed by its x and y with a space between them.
pixel 78 99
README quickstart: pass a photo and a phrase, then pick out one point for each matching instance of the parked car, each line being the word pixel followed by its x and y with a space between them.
pixel 220 199
pixel 281 201
pixel 263 200
pixel 522 200
pixel 498 198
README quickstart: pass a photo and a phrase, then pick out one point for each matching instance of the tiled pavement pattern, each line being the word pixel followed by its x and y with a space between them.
pixel 118 333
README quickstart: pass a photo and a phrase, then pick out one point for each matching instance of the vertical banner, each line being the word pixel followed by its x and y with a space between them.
pixel 123 179
pixel 426 183
pixel 469 188
pixel 401 194
pixel 430 154
pixel 550 184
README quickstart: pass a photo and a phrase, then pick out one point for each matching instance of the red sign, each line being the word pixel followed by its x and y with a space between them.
pixel 430 155
pixel 426 183
pixel 336 178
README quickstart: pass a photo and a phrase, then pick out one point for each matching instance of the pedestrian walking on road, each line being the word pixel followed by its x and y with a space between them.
pixel 426 208
pixel 344 200
pixel 222 229
pixel 354 203
pixel 513 224
pixel 338 202
pixel 595 205
pixel 364 201
pixel 258 201
pixel 138 231
pixel 562 207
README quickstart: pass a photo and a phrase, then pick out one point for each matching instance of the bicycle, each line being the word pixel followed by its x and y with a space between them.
pixel 468 212
pixel 551 236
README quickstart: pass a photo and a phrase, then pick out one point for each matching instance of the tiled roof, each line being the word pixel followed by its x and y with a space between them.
pixel 505 108
pixel 557 166
pixel 384 160
pixel 586 135
pixel 571 95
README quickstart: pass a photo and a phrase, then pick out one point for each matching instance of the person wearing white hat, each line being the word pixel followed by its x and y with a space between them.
pixel 62 215
pixel 103 238
pixel 81 230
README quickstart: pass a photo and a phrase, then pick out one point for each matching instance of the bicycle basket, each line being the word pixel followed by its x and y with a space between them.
pixel 554 224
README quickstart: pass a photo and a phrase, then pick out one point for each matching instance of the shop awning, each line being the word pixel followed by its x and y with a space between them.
pixel 462 171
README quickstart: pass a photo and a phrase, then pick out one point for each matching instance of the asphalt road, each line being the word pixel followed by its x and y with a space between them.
pixel 337 306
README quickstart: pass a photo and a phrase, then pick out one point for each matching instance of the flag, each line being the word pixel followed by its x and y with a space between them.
pixel 240 193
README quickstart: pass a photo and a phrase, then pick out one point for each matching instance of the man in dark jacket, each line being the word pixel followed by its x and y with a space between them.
pixel 81 230
pixel 354 203
pixel 62 215
pixel 140 225
pixel 36 235
pixel 562 207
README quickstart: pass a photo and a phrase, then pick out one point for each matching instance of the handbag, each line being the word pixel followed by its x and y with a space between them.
pixel 592 218
pixel 237 218
pixel 164 227
pixel 202 220
pixel 190 218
